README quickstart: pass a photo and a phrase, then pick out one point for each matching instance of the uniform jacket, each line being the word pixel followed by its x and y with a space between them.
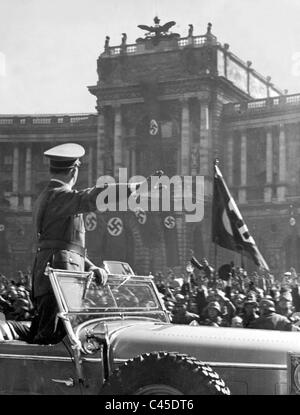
pixel 271 321
pixel 58 219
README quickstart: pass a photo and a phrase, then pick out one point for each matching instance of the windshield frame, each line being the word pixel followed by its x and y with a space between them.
pixel 65 309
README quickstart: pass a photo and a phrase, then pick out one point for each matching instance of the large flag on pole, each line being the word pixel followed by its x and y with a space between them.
pixel 228 227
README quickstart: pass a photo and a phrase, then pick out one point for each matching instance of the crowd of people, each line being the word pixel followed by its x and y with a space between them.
pixel 199 297
pixel 15 298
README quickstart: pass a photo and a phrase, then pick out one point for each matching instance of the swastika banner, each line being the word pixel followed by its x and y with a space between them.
pixel 117 241
pixel 229 229
pixel 170 236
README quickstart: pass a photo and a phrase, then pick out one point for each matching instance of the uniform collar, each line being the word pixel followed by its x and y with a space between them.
pixel 61 182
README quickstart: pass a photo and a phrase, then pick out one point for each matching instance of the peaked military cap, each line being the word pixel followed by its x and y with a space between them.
pixel 65 156
pixel 267 304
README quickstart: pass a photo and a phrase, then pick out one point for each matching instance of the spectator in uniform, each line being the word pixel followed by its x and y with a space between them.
pixel 208 272
pixel 200 299
pixel 181 315
pixel 275 294
pixel 250 310
pixel 214 315
pixel 296 296
pixel 285 304
pixel 227 307
pixel 160 285
pixel 270 320
pixel 186 288
pixel 286 308
pixel 238 301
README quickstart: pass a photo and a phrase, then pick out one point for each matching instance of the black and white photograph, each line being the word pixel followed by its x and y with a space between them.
pixel 150 200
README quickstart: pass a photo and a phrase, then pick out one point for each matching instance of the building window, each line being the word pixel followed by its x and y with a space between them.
pixel 41 120
pixel 6 121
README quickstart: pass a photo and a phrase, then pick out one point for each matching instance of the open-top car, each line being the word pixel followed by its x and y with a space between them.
pixel 120 341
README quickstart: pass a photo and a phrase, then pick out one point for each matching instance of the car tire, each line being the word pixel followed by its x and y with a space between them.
pixel 162 373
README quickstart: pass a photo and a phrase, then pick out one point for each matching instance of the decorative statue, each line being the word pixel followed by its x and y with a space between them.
pixel 106 46
pixel 209 36
pixel 191 29
pixel 158 30
pixel 124 39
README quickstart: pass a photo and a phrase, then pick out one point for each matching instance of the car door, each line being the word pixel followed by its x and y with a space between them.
pixel 36 369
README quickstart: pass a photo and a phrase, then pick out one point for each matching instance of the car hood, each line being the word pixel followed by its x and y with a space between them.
pixel 210 344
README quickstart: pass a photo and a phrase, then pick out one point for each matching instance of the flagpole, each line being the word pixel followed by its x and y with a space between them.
pixel 216 163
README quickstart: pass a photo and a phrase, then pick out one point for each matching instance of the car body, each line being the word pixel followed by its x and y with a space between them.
pixel 121 334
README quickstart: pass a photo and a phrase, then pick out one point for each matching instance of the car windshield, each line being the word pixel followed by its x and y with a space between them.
pixel 120 293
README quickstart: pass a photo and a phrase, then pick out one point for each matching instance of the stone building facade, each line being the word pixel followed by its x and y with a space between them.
pixel 172 103
pixel 261 155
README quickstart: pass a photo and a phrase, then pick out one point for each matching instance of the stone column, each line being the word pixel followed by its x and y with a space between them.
pixel 28 166
pixel 14 199
pixel 133 162
pixel 15 186
pixel 230 159
pixel 243 184
pixel 28 170
pixel 117 140
pixel 281 189
pixel 269 165
pixel 204 139
pixel 185 137
pixel 127 159
pixel 100 145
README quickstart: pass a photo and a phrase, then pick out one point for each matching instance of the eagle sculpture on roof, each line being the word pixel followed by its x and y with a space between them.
pixel 157 29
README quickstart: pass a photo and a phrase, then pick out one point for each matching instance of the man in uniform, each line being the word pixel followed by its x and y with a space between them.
pixel 181 315
pixel 61 237
pixel 270 320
